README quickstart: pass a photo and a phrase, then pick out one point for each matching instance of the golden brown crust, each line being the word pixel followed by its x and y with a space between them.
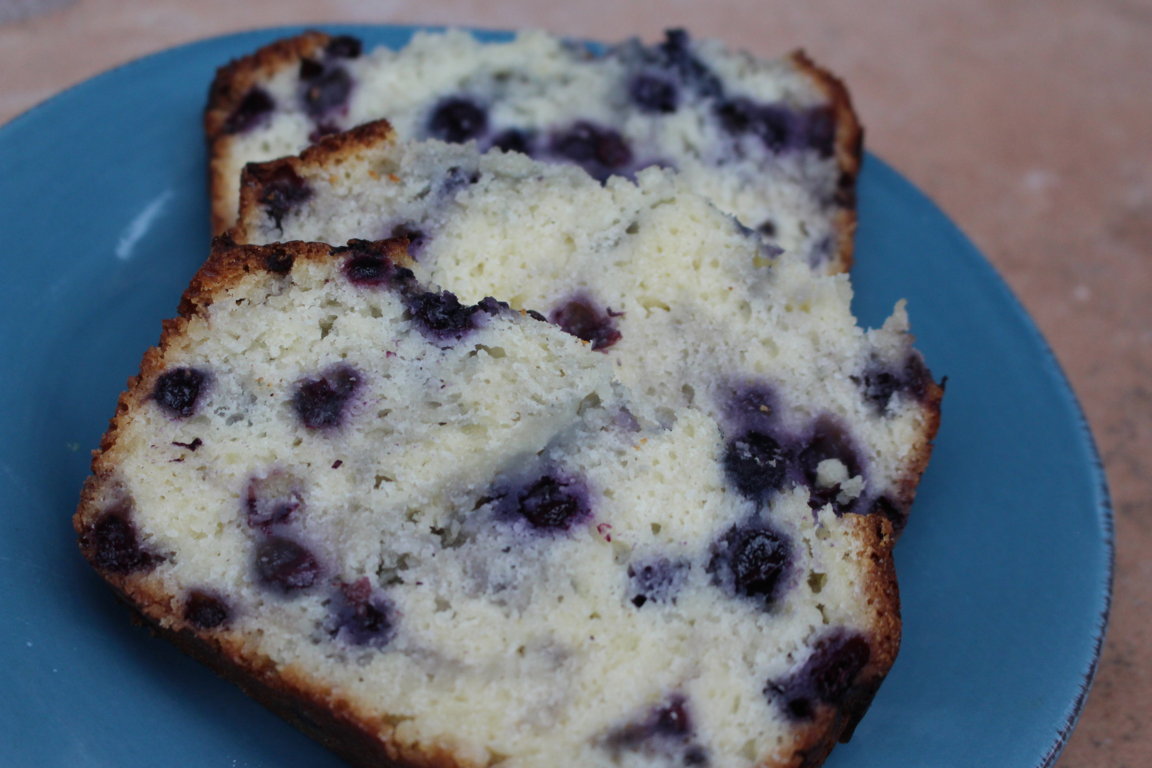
pixel 231 84
pixel 848 149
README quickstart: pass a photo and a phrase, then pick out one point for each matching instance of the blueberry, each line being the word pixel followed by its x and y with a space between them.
pixel 845 194
pixel 880 382
pixel 767 228
pixel 829 439
pixel 359 617
pixel 281 190
pixel 441 315
pixel 775 127
pixel 252 110
pixel 752 407
pixel 343 47
pixel 178 390
pixel 272 499
pixel 827 677
pixel 675 53
pixel 748 561
pixel 886 507
pixel 368 264
pixel 320 402
pixel 324 90
pixel 736 115
pixel 599 151
pixel 205 610
pixel 582 318
pixel 456 178
pixel 284 566
pixel 818 130
pixel 667 731
pixel 112 543
pixel 514 140
pixel 757 464
pixel 492 306
pixel 547 500
pixel 310 69
pixel 654 94
pixel 457 120
pixel 657 581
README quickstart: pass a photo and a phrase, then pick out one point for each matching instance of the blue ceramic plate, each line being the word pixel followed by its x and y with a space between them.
pixel 1005 567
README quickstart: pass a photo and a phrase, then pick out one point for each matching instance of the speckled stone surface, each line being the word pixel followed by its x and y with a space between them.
pixel 1028 122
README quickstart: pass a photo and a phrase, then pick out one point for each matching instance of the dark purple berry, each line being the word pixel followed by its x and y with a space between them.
pixel 310 69
pixel 756 463
pixel 827 677
pixel 829 439
pixel 666 731
pixel 457 120
pixel 654 94
pixel 252 110
pixel 752 407
pixel 657 581
pixel 457 178
pixel 513 140
pixel 177 391
pixel 113 545
pixel 281 190
pixel 599 151
pixel 845 195
pixel 886 507
pixel 369 265
pixel 767 228
pixel 343 47
pixel 835 663
pixel 552 502
pixel 775 127
pixel 325 91
pixel 676 54
pixel 278 260
pixel 736 115
pixel 361 618
pixel 205 610
pixel 880 382
pixel 492 306
pixel 272 499
pixel 749 562
pixel 441 315
pixel 285 566
pixel 320 402
pixel 582 318
pixel 819 130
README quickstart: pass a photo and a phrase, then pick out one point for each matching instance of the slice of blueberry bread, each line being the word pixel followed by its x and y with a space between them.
pixel 435 532
pixel 692 308
pixel 774 142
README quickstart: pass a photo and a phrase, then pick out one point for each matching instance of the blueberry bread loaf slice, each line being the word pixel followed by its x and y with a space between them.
pixel 691 308
pixel 774 142
pixel 432 532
